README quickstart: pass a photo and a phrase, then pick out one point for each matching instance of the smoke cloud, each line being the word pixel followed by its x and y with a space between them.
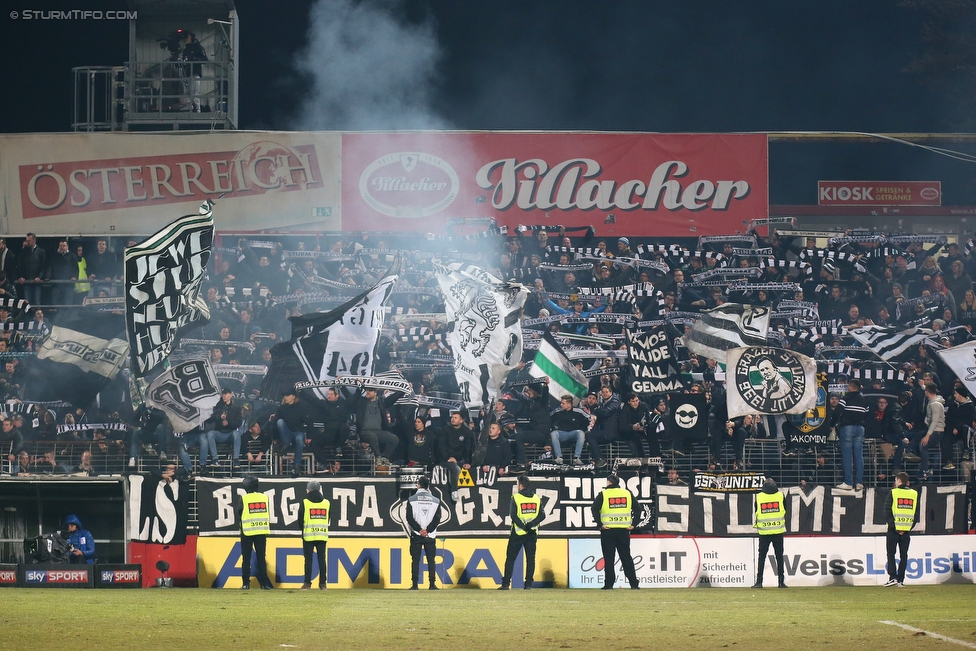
pixel 368 68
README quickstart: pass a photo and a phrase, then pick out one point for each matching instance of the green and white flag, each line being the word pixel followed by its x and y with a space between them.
pixel 551 362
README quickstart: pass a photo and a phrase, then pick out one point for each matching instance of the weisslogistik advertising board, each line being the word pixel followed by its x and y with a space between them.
pixel 651 184
pixel 122 183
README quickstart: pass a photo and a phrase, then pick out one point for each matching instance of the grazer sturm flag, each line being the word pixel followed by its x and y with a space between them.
pixel 962 360
pixel 551 362
pixel 486 334
pixel 163 279
pixel 887 342
pixel 731 325
pixel 83 353
pixel 187 392
pixel 767 380
pixel 328 345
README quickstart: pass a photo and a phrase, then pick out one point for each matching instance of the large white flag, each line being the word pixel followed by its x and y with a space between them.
pixel 888 343
pixel 486 338
pixel 731 325
pixel 962 360
pixel 766 380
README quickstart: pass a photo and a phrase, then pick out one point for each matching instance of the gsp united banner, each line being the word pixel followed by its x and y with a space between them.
pixel 652 184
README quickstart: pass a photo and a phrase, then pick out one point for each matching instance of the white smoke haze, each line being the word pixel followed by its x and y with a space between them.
pixel 369 70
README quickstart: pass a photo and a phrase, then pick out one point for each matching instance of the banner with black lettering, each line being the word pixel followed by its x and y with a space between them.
pixel 83 353
pixel 373 506
pixel 728 482
pixel 651 364
pixel 163 278
pixel 187 392
pixel 809 511
pixel 158 509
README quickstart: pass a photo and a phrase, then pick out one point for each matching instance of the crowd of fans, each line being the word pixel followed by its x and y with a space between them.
pixel 815 293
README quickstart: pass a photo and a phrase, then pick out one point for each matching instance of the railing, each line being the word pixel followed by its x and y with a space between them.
pixel 170 91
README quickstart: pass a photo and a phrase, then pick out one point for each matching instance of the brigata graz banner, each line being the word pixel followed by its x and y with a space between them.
pixel 821 510
pixel 652 184
pixel 375 507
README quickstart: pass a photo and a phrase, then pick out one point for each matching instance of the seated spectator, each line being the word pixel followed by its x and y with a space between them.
pixel 422 446
pixel 21 464
pixel 225 425
pixel 81 542
pixel 632 427
pixel 569 425
pixel 374 425
pixel 256 445
pixel 498 451
pixel 535 406
pixel 84 467
pixel 291 419
pixel 48 465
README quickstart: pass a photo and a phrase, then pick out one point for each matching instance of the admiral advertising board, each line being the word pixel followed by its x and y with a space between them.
pixel 653 184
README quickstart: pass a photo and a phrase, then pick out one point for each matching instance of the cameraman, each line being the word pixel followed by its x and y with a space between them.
pixel 193 51
pixel 81 543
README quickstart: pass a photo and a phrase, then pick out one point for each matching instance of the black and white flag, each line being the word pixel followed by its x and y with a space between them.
pixel 187 392
pixel 328 345
pixel 962 360
pixel 163 278
pixel 158 510
pixel 651 365
pixel 486 337
pixel 83 353
pixel 767 380
pixel 888 343
pixel 731 325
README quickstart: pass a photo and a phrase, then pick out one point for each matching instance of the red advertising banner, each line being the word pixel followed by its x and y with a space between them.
pixel 623 184
pixel 879 193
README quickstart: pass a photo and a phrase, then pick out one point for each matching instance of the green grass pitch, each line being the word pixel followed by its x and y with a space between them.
pixel 465 619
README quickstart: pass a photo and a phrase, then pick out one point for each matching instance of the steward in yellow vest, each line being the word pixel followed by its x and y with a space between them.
pixel 771 524
pixel 315 514
pixel 255 519
pixel 527 514
pixel 615 509
pixel 903 516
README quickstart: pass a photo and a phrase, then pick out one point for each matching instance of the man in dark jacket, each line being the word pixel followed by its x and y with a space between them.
pixel 456 447
pixel 569 425
pixel 292 421
pixel 498 451
pixel 422 446
pixel 32 264
pixel 223 426
pixel 850 431
pixel 960 415
pixel 373 423
pixel 536 407
pixel 334 416
pixel 62 266
pixel 632 426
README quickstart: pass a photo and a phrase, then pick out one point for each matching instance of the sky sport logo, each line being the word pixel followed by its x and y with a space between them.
pixel 56 576
pixel 73 14
pixel 120 576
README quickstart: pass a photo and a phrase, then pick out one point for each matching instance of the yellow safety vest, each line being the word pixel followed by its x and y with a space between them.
pixel 255 519
pixel 770 513
pixel 316 525
pixel 615 513
pixel 904 502
pixel 526 508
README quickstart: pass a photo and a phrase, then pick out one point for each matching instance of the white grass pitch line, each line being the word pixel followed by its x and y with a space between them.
pixel 937 636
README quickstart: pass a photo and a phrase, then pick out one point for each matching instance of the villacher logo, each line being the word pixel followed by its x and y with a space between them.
pixel 409 185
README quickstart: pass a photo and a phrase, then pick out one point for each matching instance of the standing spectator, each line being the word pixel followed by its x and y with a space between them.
pixel 850 431
pixel 959 420
pixel 81 541
pixel 291 419
pixel 315 532
pixel 930 436
pixel 632 424
pixel 8 260
pixel 255 518
pixel 771 523
pixel 423 517
pixel 335 427
pixel 902 516
pixel 421 448
pixel 62 266
pixel 456 448
pixel 527 514
pixel 32 263
pixel 81 288
pixel 104 266
pixel 224 426
pixel 569 425
pixel 616 510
